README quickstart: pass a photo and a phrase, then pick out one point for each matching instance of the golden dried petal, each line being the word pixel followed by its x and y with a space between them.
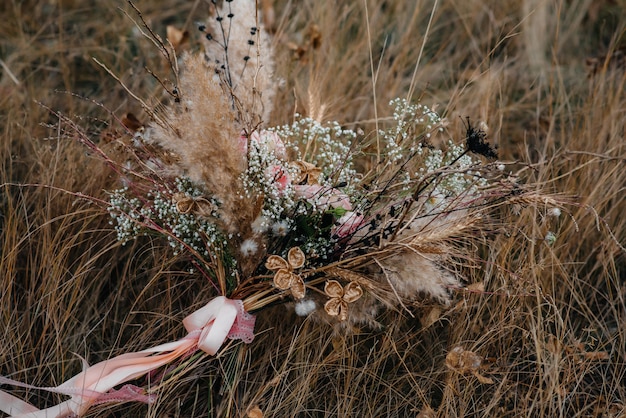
pixel 302 172
pixel 303 166
pixel 352 292
pixel 431 316
pixel 314 175
pixel 255 412
pixel 275 262
pixel 470 361
pixel 333 306
pixel 453 358
pixel 476 287
pixel 463 361
pixel 283 279
pixel 343 311
pixel 185 205
pixel 204 207
pixel 296 258
pixel 333 289
pixel 298 288
pixel 307 172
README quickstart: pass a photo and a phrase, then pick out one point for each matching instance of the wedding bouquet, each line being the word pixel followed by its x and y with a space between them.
pixel 335 224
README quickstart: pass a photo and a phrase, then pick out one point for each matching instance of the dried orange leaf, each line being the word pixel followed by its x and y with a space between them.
pixel 176 36
pixel 463 361
pixel 352 292
pixel 275 262
pixel 596 355
pixel 255 412
pixel 296 258
pixel 482 379
pixel 131 122
pixel 476 287
pixel 431 317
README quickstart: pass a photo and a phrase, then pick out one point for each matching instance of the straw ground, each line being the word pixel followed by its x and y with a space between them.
pixel 545 308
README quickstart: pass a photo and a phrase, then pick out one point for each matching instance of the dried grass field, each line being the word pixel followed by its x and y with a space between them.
pixel 537 326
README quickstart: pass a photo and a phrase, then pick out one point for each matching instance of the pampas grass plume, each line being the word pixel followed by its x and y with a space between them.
pixel 247 60
pixel 203 134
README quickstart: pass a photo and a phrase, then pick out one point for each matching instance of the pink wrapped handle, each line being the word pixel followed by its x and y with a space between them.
pixel 208 328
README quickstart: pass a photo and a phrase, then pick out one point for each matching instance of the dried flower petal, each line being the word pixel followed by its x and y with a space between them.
pixel 184 206
pixel 343 311
pixel 453 358
pixel 466 362
pixel 333 289
pixel 323 197
pixel 198 205
pixel 275 262
pixel 131 122
pixel 296 258
pixel 203 207
pixel 283 279
pixel 308 173
pixel 470 361
pixel 352 292
pixel 333 307
pixel 184 203
pixel 348 224
pixel 298 288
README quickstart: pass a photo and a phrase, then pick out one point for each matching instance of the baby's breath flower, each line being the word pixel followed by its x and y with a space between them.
pixel 304 307
pixel 550 238
pixel 459 179
pixel 132 217
pixel 327 146
pixel 281 228
pixel 412 121
pixel 268 175
pixel 261 224
pixel 554 212
pixel 249 247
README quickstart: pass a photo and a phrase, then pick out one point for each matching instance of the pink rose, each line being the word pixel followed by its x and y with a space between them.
pixel 268 138
pixel 279 176
pixel 348 224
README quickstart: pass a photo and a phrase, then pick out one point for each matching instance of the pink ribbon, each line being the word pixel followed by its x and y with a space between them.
pixel 208 328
